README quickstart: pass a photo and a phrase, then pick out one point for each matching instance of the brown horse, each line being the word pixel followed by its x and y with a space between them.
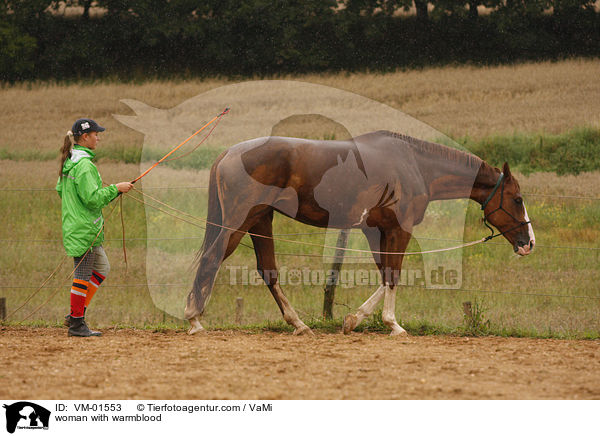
pixel 380 182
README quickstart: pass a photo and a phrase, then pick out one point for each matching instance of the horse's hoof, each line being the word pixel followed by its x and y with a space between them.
pixel 196 327
pixel 304 330
pixel 194 330
pixel 350 322
pixel 399 333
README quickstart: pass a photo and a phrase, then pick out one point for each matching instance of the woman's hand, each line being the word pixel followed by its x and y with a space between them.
pixel 124 186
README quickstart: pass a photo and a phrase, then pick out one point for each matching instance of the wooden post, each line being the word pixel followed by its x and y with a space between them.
pixel 239 310
pixel 333 277
pixel 468 310
pixel 2 309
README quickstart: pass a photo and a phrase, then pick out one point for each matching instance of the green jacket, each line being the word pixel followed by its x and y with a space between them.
pixel 83 197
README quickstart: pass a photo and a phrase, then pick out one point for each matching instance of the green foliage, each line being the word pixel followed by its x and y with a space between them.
pixel 374 323
pixel 572 152
pixel 569 153
pixel 475 323
pixel 16 53
pixel 200 159
pixel 27 155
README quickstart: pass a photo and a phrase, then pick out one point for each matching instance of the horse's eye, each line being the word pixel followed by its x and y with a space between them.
pixel 519 201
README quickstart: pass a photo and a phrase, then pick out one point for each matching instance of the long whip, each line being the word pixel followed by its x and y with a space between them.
pixel 225 111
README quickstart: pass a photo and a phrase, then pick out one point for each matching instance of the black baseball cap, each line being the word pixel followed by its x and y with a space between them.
pixel 86 125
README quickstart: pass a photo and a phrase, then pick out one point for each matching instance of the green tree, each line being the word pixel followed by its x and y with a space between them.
pixel 16 53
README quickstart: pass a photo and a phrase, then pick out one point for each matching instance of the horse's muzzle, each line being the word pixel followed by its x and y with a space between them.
pixel 523 249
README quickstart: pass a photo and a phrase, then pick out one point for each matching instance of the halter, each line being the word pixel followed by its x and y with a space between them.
pixel 499 183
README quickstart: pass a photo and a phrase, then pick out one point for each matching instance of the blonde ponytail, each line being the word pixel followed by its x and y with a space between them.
pixel 65 150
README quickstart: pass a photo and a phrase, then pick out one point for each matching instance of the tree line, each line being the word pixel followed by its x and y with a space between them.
pixel 138 39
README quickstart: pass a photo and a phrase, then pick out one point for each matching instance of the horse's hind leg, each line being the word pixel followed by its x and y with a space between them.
pixel 266 266
pixel 210 262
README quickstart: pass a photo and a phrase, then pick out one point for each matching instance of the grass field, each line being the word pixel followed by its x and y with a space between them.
pixel 126 298
pixel 463 102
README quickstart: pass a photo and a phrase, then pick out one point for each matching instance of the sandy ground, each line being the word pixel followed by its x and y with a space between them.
pixel 43 363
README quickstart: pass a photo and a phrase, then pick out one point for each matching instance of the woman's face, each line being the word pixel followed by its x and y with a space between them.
pixel 89 140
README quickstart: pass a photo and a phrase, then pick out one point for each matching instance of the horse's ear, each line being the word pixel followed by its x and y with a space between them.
pixel 506 171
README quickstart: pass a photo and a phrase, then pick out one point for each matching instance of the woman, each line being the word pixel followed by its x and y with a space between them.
pixel 83 197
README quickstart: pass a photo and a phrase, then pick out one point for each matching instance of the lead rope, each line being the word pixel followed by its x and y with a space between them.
pixel 356 250
pixel 123 229
pixel 165 160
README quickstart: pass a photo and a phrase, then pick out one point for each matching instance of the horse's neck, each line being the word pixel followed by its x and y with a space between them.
pixel 448 179
pixel 484 183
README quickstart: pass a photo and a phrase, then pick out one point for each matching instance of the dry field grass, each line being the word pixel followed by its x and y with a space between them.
pixel 457 101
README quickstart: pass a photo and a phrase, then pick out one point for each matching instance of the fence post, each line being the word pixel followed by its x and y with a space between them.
pixel 239 310
pixel 332 279
pixel 468 310
pixel 2 309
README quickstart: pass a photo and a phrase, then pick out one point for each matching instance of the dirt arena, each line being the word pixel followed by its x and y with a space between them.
pixel 43 363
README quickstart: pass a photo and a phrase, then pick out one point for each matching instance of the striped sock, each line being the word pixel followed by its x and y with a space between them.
pixel 78 294
pixel 93 285
pixel 95 281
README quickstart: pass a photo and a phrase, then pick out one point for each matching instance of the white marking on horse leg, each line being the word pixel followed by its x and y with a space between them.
pixel 368 307
pixel 195 326
pixel 389 312
pixel 351 321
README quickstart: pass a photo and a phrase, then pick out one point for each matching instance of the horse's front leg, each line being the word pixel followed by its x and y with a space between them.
pixel 393 240
pixel 352 320
pixel 389 312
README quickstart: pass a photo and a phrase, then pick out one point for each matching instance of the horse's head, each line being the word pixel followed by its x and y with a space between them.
pixel 505 210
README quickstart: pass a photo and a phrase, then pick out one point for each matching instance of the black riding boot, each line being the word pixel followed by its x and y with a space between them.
pixel 68 318
pixel 78 327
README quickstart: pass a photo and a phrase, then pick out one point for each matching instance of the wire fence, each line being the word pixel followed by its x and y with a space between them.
pixel 186 238
pixel 489 291
pixel 531 194
pixel 193 237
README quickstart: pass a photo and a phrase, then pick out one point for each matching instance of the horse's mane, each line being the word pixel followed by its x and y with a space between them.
pixel 431 148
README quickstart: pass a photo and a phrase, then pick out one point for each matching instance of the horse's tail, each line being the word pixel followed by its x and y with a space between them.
pixel 207 268
pixel 214 218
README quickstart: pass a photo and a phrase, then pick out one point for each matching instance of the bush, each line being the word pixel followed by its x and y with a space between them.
pixel 570 153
